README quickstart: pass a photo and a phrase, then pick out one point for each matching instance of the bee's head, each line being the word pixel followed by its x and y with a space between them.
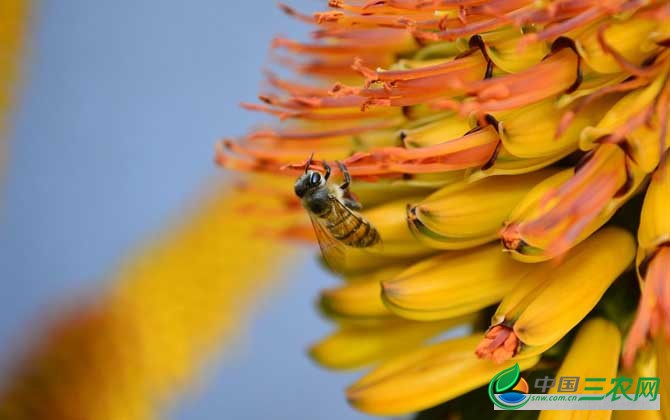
pixel 309 181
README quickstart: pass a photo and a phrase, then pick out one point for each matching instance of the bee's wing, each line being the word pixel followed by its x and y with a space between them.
pixel 332 250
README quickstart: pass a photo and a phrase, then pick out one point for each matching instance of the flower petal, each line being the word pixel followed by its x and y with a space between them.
pixel 453 284
pixel 467 214
pixel 355 346
pixel 425 377
pixel 593 353
pixel 555 296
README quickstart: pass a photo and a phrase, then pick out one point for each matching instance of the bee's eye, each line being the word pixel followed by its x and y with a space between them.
pixel 315 178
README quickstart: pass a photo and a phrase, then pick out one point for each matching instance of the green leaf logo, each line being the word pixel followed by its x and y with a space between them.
pixel 503 384
pixel 507 379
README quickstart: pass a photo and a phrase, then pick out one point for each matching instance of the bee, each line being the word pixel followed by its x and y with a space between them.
pixel 333 212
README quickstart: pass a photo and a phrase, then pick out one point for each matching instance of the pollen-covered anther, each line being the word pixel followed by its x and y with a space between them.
pixel 499 344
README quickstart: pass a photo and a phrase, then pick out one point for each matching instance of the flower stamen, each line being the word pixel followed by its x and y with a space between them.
pixel 499 344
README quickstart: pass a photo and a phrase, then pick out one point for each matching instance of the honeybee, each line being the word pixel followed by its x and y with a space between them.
pixel 333 212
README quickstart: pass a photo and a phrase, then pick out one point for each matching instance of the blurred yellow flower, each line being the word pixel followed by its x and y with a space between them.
pixel 168 309
pixel 13 22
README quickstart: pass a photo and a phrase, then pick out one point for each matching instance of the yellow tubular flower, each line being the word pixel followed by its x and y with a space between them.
pixel 168 309
pixel 543 226
pixel 452 284
pixel 653 260
pixel 355 346
pixel 359 298
pixel 425 377
pixel 530 131
pixel 646 366
pixel 398 240
pixel 485 136
pixel 594 353
pixel 468 214
pixel 552 298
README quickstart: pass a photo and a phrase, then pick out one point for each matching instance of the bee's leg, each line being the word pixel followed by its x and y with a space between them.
pixel 349 200
pixel 345 173
pixel 326 166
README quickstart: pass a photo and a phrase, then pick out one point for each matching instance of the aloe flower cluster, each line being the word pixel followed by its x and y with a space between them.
pixel 512 156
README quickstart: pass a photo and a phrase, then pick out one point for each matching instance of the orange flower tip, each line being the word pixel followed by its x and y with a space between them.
pixel 220 156
pixel 325 295
pixel 500 344
pixel 228 144
pixel 252 107
pixel 389 290
pixel 279 42
pixel 282 115
pixel 369 74
pixel 352 394
pixel 653 312
pixel 288 10
pixel 340 89
pixel 510 236
pixel 266 99
pixel 328 17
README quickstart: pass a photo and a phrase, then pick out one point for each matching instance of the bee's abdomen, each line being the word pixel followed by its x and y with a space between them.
pixel 369 237
pixel 353 230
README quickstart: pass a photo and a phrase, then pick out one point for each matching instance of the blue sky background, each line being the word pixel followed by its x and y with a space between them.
pixel 121 105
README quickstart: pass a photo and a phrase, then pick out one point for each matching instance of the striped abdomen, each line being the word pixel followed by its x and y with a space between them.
pixel 349 227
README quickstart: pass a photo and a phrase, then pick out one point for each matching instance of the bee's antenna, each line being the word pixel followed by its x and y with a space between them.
pixel 309 162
